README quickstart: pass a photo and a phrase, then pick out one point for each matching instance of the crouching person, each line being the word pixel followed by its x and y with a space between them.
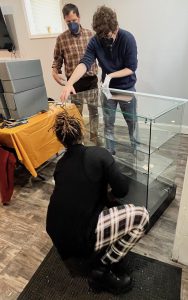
pixel 79 221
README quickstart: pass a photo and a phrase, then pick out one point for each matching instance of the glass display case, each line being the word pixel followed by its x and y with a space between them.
pixel 142 131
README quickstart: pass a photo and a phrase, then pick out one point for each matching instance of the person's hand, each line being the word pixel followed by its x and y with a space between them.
pixel 105 87
pixel 59 78
pixel 106 82
pixel 62 79
pixel 67 90
pixel 107 93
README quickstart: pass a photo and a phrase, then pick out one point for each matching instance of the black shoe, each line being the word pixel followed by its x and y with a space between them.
pixel 104 279
pixel 95 258
pixel 121 268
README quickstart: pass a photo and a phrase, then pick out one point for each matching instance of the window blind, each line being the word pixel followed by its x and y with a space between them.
pixel 44 16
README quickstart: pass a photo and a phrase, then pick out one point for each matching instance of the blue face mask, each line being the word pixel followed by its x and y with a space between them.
pixel 74 28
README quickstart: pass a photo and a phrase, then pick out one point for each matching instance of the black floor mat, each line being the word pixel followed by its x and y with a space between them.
pixel 54 279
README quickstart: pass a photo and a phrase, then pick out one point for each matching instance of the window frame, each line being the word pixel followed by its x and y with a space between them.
pixel 41 36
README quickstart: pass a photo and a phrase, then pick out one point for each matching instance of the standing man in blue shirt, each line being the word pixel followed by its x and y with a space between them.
pixel 116 51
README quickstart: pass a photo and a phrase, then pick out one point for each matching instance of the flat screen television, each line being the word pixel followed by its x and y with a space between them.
pixel 5 40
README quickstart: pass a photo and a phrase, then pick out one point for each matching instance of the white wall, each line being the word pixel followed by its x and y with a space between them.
pixel 161 31
pixel 160 28
pixel 32 48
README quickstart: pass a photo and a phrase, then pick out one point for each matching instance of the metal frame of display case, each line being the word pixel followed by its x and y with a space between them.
pixel 155 190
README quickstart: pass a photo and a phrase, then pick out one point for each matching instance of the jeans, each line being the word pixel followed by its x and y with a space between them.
pixel 128 109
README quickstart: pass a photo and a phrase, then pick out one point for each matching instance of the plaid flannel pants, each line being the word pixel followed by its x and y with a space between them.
pixel 119 229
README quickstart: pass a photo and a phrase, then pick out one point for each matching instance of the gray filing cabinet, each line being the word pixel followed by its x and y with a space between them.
pixel 24 87
pixel 4 112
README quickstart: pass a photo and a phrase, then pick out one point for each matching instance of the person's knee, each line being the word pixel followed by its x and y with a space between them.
pixel 141 218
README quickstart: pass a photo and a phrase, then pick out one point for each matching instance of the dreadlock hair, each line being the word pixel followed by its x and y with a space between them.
pixel 68 129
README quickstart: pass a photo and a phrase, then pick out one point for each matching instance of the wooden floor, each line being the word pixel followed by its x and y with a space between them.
pixel 24 242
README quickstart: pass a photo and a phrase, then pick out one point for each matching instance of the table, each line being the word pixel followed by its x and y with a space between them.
pixel 35 141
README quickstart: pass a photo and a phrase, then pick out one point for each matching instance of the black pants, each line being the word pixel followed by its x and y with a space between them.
pixel 86 83
pixel 91 98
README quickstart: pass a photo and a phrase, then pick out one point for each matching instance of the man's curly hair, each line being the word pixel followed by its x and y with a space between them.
pixel 68 129
pixel 104 21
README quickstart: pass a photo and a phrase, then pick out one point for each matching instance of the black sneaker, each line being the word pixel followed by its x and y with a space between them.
pixel 120 268
pixel 104 279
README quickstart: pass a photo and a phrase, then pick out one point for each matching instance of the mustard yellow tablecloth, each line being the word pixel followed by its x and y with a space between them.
pixel 35 142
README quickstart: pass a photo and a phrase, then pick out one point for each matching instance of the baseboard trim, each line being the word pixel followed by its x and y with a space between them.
pixel 184 129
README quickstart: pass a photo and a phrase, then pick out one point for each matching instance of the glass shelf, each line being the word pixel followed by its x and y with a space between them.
pixel 157 167
pixel 160 138
pixel 149 106
pixel 150 111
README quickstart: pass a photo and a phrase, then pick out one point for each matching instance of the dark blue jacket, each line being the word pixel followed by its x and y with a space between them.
pixel 123 55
